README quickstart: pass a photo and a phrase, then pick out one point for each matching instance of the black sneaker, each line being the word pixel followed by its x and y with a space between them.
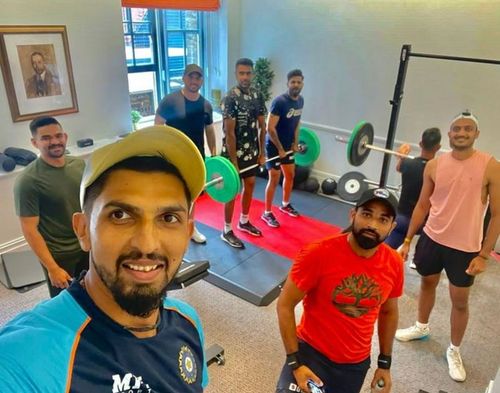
pixel 249 228
pixel 270 220
pixel 232 240
pixel 288 209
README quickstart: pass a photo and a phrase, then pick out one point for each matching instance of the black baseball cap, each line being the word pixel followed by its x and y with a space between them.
pixel 379 194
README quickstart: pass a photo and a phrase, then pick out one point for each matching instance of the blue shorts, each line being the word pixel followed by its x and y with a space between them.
pixel 336 377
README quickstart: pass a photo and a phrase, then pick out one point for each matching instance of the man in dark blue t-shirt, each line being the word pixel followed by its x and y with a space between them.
pixel 282 140
pixel 188 111
pixel 114 329
pixel 412 171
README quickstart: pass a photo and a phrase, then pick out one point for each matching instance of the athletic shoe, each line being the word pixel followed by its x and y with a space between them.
pixel 198 237
pixel 249 228
pixel 455 365
pixel 288 209
pixel 412 333
pixel 232 240
pixel 270 220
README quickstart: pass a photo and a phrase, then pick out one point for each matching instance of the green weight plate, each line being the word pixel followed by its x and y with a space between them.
pixel 362 135
pixel 227 189
pixel 309 142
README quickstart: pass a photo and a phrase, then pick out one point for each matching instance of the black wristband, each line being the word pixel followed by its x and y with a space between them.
pixel 293 360
pixel 384 361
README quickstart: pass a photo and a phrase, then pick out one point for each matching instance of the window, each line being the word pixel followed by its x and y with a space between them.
pixel 138 29
pixel 158 46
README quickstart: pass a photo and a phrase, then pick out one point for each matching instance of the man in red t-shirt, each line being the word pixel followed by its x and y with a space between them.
pixel 346 282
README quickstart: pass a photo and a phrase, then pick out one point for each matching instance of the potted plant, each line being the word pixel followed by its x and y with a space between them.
pixel 263 77
pixel 136 117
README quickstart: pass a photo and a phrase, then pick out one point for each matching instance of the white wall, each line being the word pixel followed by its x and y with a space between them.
pixel 222 45
pixel 97 51
pixel 349 52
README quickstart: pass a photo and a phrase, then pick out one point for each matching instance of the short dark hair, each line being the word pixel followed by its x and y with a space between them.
pixel 41 121
pixel 38 54
pixel 293 73
pixel 431 138
pixel 244 61
pixel 139 164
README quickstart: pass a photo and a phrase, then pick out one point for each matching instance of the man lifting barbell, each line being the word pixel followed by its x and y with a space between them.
pixel 223 178
pixel 243 111
pixel 282 135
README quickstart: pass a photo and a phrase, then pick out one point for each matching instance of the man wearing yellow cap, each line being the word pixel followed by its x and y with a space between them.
pixel 114 329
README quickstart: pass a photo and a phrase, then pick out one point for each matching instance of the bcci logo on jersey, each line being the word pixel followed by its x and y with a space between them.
pixel 187 365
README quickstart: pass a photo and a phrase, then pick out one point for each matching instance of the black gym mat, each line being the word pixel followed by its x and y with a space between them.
pixel 334 212
pixel 254 274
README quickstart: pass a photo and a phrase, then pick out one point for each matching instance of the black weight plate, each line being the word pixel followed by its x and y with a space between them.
pixel 362 135
pixel 351 186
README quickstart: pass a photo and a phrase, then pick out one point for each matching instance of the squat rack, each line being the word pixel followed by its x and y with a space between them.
pixel 404 59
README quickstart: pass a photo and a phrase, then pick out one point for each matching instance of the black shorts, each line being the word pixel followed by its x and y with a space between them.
pixel 336 377
pixel 272 151
pixel 431 258
pixel 74 263
pixel 245 164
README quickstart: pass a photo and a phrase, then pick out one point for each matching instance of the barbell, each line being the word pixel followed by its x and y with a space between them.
pixel 361 142
pixel 223 179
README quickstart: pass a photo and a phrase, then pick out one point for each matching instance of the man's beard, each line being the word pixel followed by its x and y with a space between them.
pixel 193 89
pixel 367 242
pixel 141 299
pixel 245 86
pixel 56 155
pixel 294 93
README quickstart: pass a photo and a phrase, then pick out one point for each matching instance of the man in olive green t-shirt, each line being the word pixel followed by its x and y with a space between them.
pixel 46 195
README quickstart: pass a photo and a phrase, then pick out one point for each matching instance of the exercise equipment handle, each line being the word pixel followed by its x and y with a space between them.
pixel 219 179
pixel 268 160
pixel 377 148
pixel 395 153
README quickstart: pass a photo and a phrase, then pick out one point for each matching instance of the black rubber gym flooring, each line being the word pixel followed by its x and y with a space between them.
pixel 255 274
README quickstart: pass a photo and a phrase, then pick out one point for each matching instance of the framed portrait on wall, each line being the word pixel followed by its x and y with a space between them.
pixel 37 72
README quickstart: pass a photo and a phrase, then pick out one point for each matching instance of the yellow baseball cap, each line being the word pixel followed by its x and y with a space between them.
pixel 156 141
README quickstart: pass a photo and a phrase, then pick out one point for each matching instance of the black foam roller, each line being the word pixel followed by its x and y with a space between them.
pixel 8 164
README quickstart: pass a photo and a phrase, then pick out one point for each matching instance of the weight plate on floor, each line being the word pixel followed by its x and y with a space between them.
pixel 310 147
pixel 225 190
pixel 351 186
pixel 361 136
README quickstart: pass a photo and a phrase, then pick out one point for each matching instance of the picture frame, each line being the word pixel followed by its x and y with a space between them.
pixel 37 71
pixel 143 102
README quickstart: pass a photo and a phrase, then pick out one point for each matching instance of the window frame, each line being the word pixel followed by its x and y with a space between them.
pixel 159 46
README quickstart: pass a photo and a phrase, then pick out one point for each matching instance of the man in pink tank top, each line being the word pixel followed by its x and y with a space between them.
pixel 455 193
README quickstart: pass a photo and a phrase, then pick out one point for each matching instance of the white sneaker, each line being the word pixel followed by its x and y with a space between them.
pixel 412 333
pixel 198 237
pixel 455 365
